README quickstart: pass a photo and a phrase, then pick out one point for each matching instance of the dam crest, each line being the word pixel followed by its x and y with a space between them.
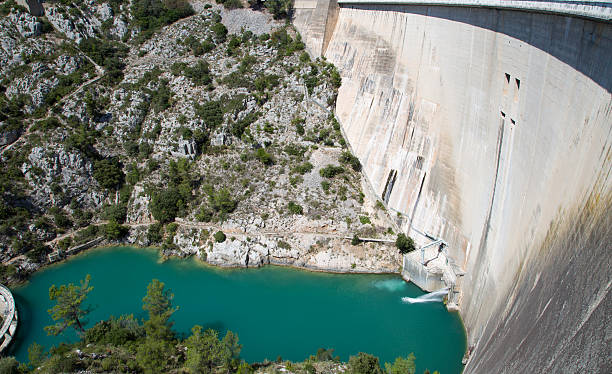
pixel 488 125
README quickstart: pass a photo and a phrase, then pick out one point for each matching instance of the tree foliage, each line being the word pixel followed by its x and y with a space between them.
pixel 364 363
pixel 348 158
pixel 331 171
pixel 205 351
pixel 108 173
pixel 401 365
pixel 404 243
pixel 151 15
pixel 158 304
pixel 69 310
pixel 219 237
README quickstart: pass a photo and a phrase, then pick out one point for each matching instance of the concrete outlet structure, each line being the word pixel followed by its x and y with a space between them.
pixel 488 124
pixel 9 317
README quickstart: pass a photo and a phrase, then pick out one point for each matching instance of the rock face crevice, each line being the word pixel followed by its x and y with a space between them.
pixel 495 127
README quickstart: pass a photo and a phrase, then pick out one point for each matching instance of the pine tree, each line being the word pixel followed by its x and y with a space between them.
pixel 69 310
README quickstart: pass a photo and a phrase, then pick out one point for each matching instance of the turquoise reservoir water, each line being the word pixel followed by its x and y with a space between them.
pixel 275 311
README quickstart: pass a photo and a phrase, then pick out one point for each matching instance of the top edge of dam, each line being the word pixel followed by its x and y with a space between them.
pixel 596 10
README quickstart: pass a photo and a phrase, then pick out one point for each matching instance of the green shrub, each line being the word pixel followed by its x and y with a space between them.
pixel 325 185
pixel 108 173
pixel 117 212
pixel 222 202
pixel 295 150
pixel 155 233
pixel 161 98
pixel 219 237
pixel 114 331
pixel 347 158
pixel 355 240
pixel 230 4
pixel 364 220
pixel 220 32
pixel 280 8
pixel 238 127
pixel 65 243
pixel 211 112
pixel 264 157
pixel 401 365
pixel 295 208
pixel 164 205
pixel 114 231
pixel 404 243
pixel 331 171
pixel 303 168
pixel 199 73
pixel 364 363
pixel 151 15
pixel 9 365
pixel 108 54
pixel 336 80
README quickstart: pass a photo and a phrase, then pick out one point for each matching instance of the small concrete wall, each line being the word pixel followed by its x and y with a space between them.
pixel 414 272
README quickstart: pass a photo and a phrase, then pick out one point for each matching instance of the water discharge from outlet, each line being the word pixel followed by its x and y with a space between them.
pixel 432 297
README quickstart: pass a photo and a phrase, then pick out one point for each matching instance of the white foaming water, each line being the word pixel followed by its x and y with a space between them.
pixel 390 285
pixel 432 297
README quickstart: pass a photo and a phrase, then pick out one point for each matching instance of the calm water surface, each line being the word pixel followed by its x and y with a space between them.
pixel 275 311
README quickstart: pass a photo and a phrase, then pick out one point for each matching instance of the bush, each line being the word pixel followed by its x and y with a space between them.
pixel 404 243
pixel 9 365
pixel 155 233
pixel 364 363
pixel 325 185
pixel 220 32
pixel 211 112
pixel 280 8
pixel 264 157
pixel 199 73
pixel 401 365
pixel 114 331
pixel 240 126
pixel 108 173
pixel 331 171
pixel 163 205
pixel 222 202
pixel 116 212
pixel 348 158
pixel 302 169
pixel 151 15
pixel 364 220
pixel 295 208
pixel 161 98
pixel 114 231
pixel 355 240
pixel 219 237
pixel 106 53
pixel 230 4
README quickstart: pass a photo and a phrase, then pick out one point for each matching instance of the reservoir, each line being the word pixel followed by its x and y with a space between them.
pixel 275 311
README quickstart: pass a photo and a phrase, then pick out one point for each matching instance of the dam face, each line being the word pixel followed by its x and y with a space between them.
pixel 491 128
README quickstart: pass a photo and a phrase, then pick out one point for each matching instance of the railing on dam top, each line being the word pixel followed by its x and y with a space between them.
pixel 598 10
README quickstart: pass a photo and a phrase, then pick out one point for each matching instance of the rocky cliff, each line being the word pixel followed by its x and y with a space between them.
pixel 490 129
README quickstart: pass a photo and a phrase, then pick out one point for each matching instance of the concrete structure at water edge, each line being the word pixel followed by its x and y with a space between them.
pixel 8 310
pixel 488 125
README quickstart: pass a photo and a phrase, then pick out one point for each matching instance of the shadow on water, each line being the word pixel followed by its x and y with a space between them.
pixel 24 325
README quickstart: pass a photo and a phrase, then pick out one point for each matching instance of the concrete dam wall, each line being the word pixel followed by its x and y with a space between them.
pixel 491 128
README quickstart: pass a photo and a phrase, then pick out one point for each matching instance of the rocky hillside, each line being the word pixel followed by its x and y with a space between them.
pixel 181 125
